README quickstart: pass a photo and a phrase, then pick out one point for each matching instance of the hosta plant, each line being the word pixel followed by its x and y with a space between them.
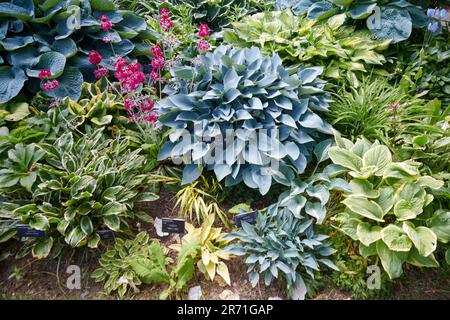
pixel 284 242
pixel 384 209
pixel 210 243
pixel 130 263
pixel 57 36
pixel 244 116
pixel 85 185
pixel 385 19
pixel 342 51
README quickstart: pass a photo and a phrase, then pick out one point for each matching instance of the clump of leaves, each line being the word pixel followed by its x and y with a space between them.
pixel 395 19
pixel 284 242
pixel 129 263
pixel 203 247
pixel 385 205
pixel 343 52
pixel 58 35
pixel 233 97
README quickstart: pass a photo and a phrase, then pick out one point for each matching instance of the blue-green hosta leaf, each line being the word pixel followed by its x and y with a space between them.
pixel 322 10
pixel 396 24
pixel 362 11
pixel 423 238
pixel 67 47
pixel 308 75
pixel 53 61
pixel 42 248
pixel 396 239
pixel 14 43
pixel 439 223
pixel 25 57
pixel 321 150
pixel 345 158
pixel 11 82
pixel 70 83
pixel 191 172
pixel 367 233
pixel 316 210
pixel 21 9
pixel 391 261
pixel 364 207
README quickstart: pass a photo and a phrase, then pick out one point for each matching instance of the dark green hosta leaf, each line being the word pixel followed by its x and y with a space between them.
pixel 75 237
pixel 11 82
pixel 70 83
pixel 42 248
pixel 86 225
pixel 103 5
pixel 112 222
pixel 53 61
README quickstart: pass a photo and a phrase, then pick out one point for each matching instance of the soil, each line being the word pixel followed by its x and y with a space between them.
pixel 28 278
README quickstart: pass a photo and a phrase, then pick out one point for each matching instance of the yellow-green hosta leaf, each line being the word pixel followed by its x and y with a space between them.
pixel 423 238
pixel 222 270
pixel 386 198
pixel 407 210
pixel 367 233
pixel 364 207
pixel 396 239
pixel 345 158
pixel 390 260
pixel 369 251
pixel 379 157
pixel 430 182
pixel 439 223
pixel 363 188
pixel 348 223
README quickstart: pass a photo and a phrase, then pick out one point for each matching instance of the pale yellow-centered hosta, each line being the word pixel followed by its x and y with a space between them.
pixel 210 252
pixel 342 51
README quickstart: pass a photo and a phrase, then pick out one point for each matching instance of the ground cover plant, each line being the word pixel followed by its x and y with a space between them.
pixel 225 149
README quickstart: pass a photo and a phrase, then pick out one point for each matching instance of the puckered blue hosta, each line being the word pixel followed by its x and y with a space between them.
pixel 262 113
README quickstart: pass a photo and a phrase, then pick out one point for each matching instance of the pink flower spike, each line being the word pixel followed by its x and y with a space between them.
pixel 50 85
pixel 156 51
pixel 203 46
pixel 129 104
pixel 154 75
pixel 203 30
pixel 158 63
pixel 44 74
pixel 164 13
pixel 94 57
pixel 101 72
pixel 166 24
pixel 105 23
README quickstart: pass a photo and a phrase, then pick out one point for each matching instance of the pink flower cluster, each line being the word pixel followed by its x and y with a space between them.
pixel 165 21
pixel 130 75
pixel 94 57
pixel 105 23
pixel 44 74
pixel 101 72
pixel 141 110
pixel 50 85
pixel 158 58
pixel 203 31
